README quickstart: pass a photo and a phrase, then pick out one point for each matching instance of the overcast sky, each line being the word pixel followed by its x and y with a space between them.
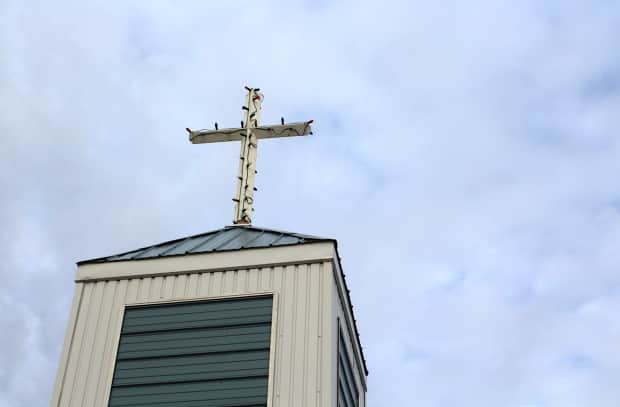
pixel 466 155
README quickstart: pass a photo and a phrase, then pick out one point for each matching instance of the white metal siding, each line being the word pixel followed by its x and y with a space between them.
pixel 303 374
pixel 342 312
pixel 350 350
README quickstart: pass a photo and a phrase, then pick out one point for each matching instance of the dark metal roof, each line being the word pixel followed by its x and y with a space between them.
pixel 226 239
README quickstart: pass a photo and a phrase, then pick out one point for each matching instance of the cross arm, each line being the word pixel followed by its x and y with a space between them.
pixel 216 136
pixel 261 132
pixel 284 130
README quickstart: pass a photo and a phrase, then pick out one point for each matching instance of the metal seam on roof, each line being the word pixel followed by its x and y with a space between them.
pixel 142 252
pixel 208 239
pixel 229 240
pixel 277 239
pixel 174 246
pixel 247 244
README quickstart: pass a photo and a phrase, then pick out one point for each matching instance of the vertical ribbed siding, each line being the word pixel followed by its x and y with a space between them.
pixel 213 353
pixel 348 394
pixel 299 354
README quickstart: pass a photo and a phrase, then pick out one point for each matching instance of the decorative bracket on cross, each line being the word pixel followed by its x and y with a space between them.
pixel 249 133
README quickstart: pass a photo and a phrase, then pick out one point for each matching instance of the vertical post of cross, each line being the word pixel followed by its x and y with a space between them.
pixel 244 198
pixel 248 134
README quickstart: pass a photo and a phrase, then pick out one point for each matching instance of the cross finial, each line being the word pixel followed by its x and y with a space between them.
pixel 249 133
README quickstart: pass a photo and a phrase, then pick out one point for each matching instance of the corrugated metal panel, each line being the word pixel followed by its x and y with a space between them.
pixel 348 393
pixel 227 239
pixel 213 353
pixel 303 339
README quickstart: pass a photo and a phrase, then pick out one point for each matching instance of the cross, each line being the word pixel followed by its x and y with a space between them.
pixel 249 133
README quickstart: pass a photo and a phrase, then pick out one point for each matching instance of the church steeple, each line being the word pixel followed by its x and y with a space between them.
pixel 241 316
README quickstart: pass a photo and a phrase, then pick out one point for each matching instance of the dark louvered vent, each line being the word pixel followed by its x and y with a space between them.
pixel 207 354
pixel 348 394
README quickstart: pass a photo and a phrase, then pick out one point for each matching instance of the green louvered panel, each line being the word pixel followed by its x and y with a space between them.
pixel 348 394
pixel 207 354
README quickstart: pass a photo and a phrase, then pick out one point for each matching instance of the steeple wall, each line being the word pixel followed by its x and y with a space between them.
pixel 302 328
pixel 310 307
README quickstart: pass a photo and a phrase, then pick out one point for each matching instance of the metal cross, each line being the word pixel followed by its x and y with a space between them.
pixel 248 134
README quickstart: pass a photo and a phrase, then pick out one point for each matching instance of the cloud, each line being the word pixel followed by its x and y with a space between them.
pixel 465 156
